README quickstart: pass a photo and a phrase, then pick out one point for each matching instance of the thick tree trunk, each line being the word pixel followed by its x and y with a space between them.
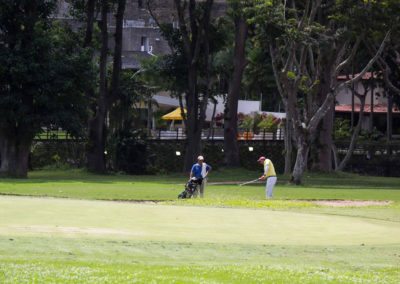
pixel 89 23
pixel 14 155
pixel 194 38
pixel 325 141
pixel 325 132
pixel 96 147
pixel 117 60
pixel 301 161
pixel 302 138
pixel 97 128
pixel 193 139
pixel 231 148
pixel 288 144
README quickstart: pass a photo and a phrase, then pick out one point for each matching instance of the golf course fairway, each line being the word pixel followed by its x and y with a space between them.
pixel 77 218
pixel 53 240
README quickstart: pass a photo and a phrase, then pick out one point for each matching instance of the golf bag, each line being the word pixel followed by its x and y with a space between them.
pixel 191 190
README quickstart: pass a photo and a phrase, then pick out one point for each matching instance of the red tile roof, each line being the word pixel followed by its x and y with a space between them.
pixel 367 108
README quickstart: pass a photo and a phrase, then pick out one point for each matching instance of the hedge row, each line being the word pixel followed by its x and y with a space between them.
pixel 161 157
pixel 164 158
pixel 57 153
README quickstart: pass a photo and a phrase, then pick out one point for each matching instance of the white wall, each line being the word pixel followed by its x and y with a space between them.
pixel 343 96
pixel 246 107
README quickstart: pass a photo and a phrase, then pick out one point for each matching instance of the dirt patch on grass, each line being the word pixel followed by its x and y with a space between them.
pixel 351 203
pixel 74 230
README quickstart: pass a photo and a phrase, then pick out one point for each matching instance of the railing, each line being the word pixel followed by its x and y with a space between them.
pixel 216 134
pixel 57 134
pixel 176 134
pixel 370 148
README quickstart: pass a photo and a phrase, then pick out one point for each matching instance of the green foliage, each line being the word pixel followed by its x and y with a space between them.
pixel 342 128
pixel 269 123
pixel 170 72
pixel 273 151
pixel 131 152
pixel 160 123
pixel 43 73
pixel 133 93
pixel 57 154
pixel 163 158
pixel 258 78
pixel 247 123
pixel 166 72
pixel 374 163
pixel 373 135
pixel 291 75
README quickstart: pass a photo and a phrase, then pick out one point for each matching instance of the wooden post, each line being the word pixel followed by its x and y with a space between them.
pixel 389 118
pixel 371 117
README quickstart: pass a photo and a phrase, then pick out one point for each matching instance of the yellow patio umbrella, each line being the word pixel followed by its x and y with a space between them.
pixel 174 115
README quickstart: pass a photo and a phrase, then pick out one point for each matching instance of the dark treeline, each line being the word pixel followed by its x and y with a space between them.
pixel 54 74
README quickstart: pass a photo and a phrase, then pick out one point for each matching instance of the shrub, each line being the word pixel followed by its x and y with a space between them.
pixel 57 154
pixel 131 152
pixel 269 123
pixel 342 128
pixel 247 123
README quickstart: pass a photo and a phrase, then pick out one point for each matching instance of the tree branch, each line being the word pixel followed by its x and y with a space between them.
pixel 384 67
pixel 152 14
pixel 203 28
pixel 341 53
pixel 370 63
pixel 276 73
pixel 180 8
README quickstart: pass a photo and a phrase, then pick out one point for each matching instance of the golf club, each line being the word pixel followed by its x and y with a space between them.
pixel 248 182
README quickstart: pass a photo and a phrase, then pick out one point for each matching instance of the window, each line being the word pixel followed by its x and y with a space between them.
pixel 134 23
pixel 144 44
pixel 140 4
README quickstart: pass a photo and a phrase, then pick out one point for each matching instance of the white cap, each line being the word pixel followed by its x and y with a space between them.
pixel 200 158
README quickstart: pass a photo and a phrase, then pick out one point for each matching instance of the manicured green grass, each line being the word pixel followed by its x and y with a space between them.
pixel 45 240
pixel 182 223
pixel 82 185
pixel 233 235
pixel 198 263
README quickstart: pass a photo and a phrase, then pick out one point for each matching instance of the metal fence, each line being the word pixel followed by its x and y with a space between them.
pixel 55 134
pixel 212 134
pixel 216 134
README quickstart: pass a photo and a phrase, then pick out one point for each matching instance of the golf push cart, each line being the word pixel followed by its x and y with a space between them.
pixel 191 188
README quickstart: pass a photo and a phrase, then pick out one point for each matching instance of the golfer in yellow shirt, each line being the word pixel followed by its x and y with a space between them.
pixel 269 175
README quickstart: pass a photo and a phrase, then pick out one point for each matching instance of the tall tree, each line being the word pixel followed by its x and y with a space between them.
pixel 97 127
pixel 42 75
pixel 231 148
pixel 298 42
pixel 107 93
pixel 194 19
pixel 194 32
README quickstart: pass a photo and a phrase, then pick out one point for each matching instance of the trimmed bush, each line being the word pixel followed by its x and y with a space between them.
pixel 57 153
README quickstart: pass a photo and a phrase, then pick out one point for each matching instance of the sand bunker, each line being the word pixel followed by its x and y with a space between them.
pixel 351 203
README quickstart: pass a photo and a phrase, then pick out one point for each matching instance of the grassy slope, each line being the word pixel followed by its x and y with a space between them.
pixel 82 185
pixel 60 260
pixel 98 241
pixel 69 241
pixel 183 223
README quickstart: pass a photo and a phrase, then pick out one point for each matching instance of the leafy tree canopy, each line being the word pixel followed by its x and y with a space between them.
pixel 43 71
